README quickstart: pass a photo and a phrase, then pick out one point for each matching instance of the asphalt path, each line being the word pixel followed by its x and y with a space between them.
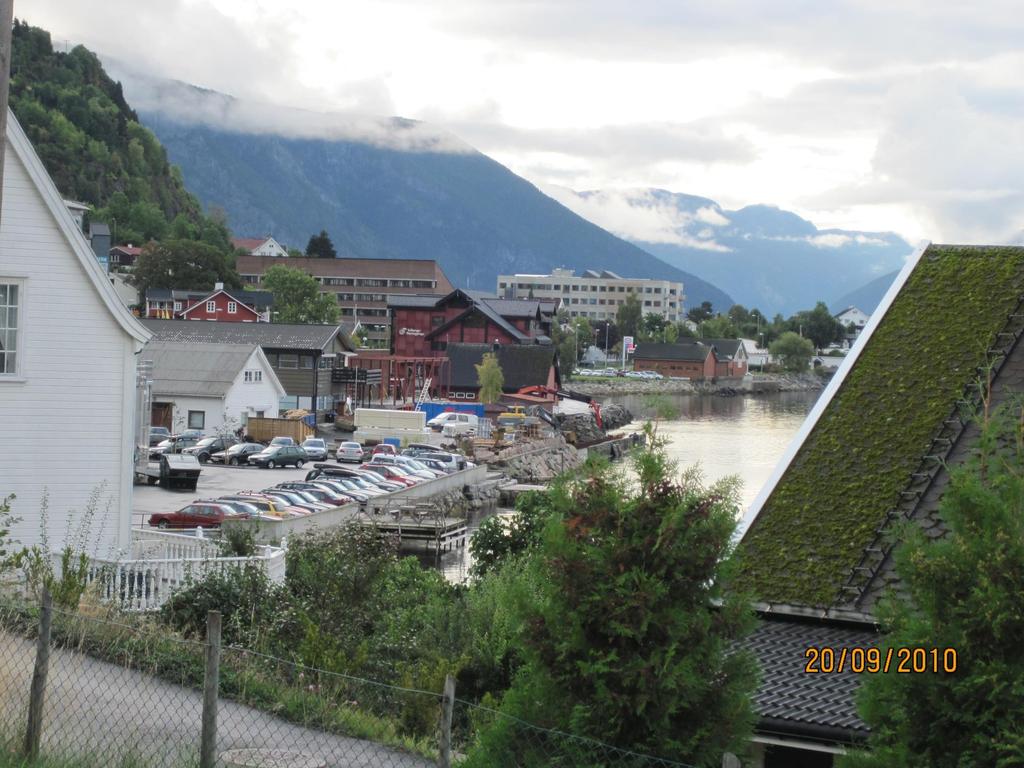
pixel 112 714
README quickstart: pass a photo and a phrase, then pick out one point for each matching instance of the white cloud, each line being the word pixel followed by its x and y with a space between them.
pixel 636 215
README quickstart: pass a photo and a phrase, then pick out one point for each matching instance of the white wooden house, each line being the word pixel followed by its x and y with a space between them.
pixel 209 386
pixel 68 349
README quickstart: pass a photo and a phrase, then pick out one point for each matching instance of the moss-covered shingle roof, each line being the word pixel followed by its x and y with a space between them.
pixel 812 530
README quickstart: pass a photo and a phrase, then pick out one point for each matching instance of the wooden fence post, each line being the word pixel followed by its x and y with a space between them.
pixel 37 694
pixel 211 684
pixel 444 756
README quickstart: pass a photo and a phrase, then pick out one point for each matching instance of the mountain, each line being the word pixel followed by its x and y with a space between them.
pixel 387 189
pixel 87 136
pixel 867 297
pixel 763 256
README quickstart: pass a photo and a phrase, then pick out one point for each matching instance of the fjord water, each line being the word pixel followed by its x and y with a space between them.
pixel 742 436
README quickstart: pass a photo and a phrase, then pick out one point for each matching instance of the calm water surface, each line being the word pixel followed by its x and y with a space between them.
pixel 743 436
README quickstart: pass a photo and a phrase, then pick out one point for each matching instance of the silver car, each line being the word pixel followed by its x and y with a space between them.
pixel 316 449
pixel 350 451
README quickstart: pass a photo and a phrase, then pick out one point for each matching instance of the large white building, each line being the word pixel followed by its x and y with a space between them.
pixel 68 353
pixel 596 295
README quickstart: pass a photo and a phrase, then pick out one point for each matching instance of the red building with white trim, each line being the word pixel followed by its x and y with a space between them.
pixel 424 326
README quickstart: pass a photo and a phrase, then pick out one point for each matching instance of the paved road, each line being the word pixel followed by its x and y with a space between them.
pixel 100 709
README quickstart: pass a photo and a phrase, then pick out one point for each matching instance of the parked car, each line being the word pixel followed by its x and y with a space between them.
pixel 200 514
pixel 315 448
pixel 270 504
pixel 158 435
pixel 326 495
pixel 347 487
pixel 442 420
pixel 409 464
pixel 393 473
pixel 387 448
pixel 238 453
pixel 356 477
pixel 205 448
pixel 279 456
pixel 351 451
pixel 298 499
pixel 248 509
pixel 434 466
pixel 282 441
pixel 176 443
pixel 381 481
pixel 452 462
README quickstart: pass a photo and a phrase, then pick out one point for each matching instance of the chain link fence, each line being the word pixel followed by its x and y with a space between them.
pixel 93 690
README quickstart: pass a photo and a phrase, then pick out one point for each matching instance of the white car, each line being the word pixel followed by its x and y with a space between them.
pixel 350 451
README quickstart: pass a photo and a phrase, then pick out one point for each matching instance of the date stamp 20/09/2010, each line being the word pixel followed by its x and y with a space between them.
pixel 860 660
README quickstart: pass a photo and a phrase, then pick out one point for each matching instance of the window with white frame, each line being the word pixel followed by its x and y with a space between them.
pixel 254 376
pixel 197 419
pixel 10 298
pixel 177 306
pixel 211 306
pixel 232 307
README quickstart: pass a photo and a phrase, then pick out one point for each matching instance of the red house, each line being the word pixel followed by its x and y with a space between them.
pixel 233 307
pixel 424 326
pixel 692 360
pixel 731 357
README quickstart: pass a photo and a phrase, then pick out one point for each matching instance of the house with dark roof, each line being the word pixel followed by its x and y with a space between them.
pixel 522 365
pixel 301 356
pixel 874 454
pixel 692 360
pixel 210 386
pixel 730 357
pixel 122 256
pixel 225 305
pixel 424 326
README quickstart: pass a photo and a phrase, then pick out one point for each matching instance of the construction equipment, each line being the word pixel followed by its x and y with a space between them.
pixel 424 394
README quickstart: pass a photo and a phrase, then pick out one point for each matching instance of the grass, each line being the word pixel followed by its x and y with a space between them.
pixel 299 695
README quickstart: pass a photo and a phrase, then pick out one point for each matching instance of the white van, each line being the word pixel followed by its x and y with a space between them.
pixel 463 424
pixel 442 420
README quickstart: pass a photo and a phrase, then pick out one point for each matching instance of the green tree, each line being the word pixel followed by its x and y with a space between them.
pixel 490 379
pixel 629 314
pixel 652 327
pixel 699 314
pixel 297 297
pixel 629 630
pixel 719 327
pixel 819 325
pixel 183 264
pixel 964 591
pixel 321 247
pixel 671 333
pixel 794 351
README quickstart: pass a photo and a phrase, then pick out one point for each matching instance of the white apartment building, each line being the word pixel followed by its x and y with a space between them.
pixel 596 295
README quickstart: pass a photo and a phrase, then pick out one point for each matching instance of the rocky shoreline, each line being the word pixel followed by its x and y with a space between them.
pixel 753 384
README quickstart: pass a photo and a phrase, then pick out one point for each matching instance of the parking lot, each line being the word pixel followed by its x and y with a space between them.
pixel 215 480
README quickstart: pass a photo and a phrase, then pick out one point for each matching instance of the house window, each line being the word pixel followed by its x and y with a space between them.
pixel 211 306
pixel 253 377
pixel 9 305
pixel 437 320
pixel 232 307
pixel 177 306
pixel 307 362
pixel 197 419
pixel 288 361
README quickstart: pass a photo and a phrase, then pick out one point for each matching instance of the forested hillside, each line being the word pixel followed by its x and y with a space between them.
pixel 94 146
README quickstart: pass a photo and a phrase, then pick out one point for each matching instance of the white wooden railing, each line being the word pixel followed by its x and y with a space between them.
pixel 161 563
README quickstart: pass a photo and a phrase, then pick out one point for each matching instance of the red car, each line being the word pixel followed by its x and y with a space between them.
pixel 393 474
pixel 198 514
pixel 387 448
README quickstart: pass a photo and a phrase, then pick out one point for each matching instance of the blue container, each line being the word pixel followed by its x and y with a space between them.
pixel 434 409
pixel 310 420
pixel 393 441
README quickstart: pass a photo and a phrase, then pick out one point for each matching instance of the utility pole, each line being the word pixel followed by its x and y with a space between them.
pixel 6 20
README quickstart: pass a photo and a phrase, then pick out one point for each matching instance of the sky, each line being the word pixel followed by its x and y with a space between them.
pixel 874 115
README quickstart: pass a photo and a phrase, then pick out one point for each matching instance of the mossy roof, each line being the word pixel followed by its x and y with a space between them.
pixel 814 526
